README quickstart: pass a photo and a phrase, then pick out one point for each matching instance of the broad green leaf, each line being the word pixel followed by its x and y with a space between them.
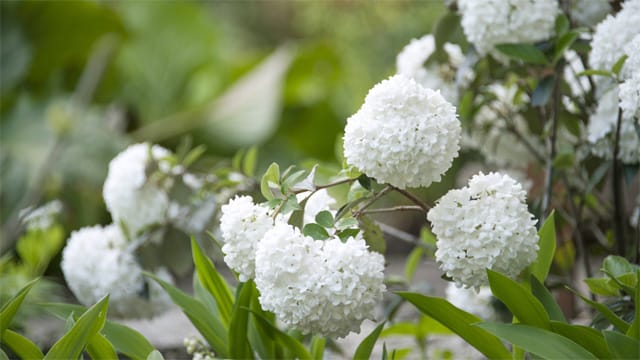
pixel 422 328
pixel 20 345
pixel 547 248
pixel 634 329
pixel 212 281
pixel 525 52
pixel 287 341
pixel 99 347
pixel 622 346
pixel 460 322
pixel 602 286
pixel 155 355
pixel 366 346
pixel 270 180
pixel 238 342
pixel 544 296
pixel 325 218
pixel 210 327
pixel 616 265
pixel 614 319
pixel 540 342
pixel 587 337
pixel 10 309
pixel 522 304
pixel 126 340
pixel 71 344
pixel 315 231
pixel 542 92
pixel 317 347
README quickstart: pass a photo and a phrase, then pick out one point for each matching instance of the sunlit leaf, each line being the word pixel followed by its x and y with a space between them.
pixel 10 309
pixel 363 351
pixel 20 345
pixel 522 304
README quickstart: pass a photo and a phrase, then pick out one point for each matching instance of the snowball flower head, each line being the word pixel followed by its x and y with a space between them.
pixel 487 23
pixel 485 225
pixel 476 303
pixel 95 263
pixel 404 134
pixel 130 197
pixel 243 224
pixel 319 287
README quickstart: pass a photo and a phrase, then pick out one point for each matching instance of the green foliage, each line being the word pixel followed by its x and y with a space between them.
pixel 547 248
pixel 366 346
pixel 524 52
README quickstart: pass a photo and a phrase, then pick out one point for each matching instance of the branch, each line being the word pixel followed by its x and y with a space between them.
pixel 413 198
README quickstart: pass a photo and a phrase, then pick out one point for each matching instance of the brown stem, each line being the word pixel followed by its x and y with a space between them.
pixel 393 209
pixel 373 200
pixel 413 198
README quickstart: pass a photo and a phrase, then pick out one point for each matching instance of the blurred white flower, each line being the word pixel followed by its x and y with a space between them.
pixel 589 12
pixel 629 96
pixel 487 23
pixel 130 197
pixel 41 218
pixel 243 224
pixel 476 303
pixel 404 134
pixel 319 287
pixel 485 225
pixel 96 262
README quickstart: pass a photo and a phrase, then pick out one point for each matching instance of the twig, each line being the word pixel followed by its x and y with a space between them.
pixel 392 209
pixel 413 198
pixel 618 201
pixel 551 144
pixel 375 198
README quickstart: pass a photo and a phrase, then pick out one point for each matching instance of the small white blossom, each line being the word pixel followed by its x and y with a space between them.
pixel 130 197
pixel 319 287
pixel 485 225
pixel 629 96
pixel 243 224
pixel 476 303
pixel 96 262
pixel 487 23
pixel 403 134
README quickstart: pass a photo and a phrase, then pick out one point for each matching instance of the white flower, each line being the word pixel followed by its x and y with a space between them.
pixel 403 134
pixel 611 36
pixel 41 218
pixel 629 96
pixel 317 202
pixel 476 303
pixel 243 224
pixel 589 12
pixel 632 50
pixel 484 225
pixel 95 263
pixel 130 197
pixel 410 62
pixel 487 23
pixel 319 287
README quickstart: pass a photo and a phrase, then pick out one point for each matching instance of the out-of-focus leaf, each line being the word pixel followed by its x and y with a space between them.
pixel 155 355
pixel 20 345
pixel 564 42
pixel 547 248
pixel 10 309
pixel 562 24
pixel 614 319
pixel 413 260
pixel 592 72
pixel 363 351
pixel 270 180
pixel 619 64
pixel 542 92
pixel 634 329
pixel 238 341
pixel 317 347
pixel 564 160
pixel 525 52
pixel 373 235
pixel 602 286
pixel 622 346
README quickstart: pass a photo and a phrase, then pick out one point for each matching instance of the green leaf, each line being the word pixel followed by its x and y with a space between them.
pixel 634 329
pixel 365 181
pixel 325 218
pixel 317 347
pixel 413 260
pixel 587 337
pixel 616 265
pixel 525 52
pixel 366 346
pixel 210 327
pixel 622 346
pixel 315 231
pixel 540 342
pixel 564 160
pixel 238 342
pixel 547 248
pixel 212 281
pixel 250 161
pixel 542 92
pixel 550 305
pixel 606 312
pixel 71 344
pixel 261 338
pixel 562 24
pixel 20 345
pixel 564 42
pixel 619 64
pixel 155 355
pixel 460 322
pixel 594 72
pixel 99 347
pixel 602 286
pixel 373 235
pixel 10 309
pixel 270 180
pixel 522 304
pixel 283 338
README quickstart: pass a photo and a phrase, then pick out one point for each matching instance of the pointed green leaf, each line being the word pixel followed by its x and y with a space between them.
pixel 622 346
pixel 540 342
pixel 315 231
pixel 544 296
pixel 593 72
pixel 587 337
pixel 20 345
pixel 525 52
pixel 522 304
pixel 317 347
pixel 283 338
pixel 271 176
pixel 366 346
pixel 564 42
pixel 619 64
pixel 212 281
pixel 100 348
pixel 71 344
pixel 460 322
pixel 238 342
pixel 10 309
pixel 562 24
pixel 614 319
pixel 547 248
pixel 260 337
pixel 413 260
pixel 250 160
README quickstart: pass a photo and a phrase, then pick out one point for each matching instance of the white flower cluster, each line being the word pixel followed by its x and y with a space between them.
pixel 404 134
pixel 410 62
pixel 96 262
pixel 485 225
pixel 130 197
pixel 487 23
pixel 476 303
pixel 320 287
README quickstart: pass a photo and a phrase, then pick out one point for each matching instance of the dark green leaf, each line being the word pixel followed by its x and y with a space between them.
pixel 564 160
pixel 238 342
pixel 607 313
pixel 525 52
pixel 325 218
pixel 366 346
pixel 634 329
pixel 541 342
pixel 100 348
pixel 542 92
pixel 10 309
pixel 20 345
pixel 284 339
pixel 373 235
pixel 564 42
pixel 587 337
pixel 315 231
pixel 522 304
pixel 460 322
pixel 619 64
pixel 365 181
pixel 550 305
pixel 622 346
pixel 562 24
pixel 261 338
pixel 547 248
pixel 347 233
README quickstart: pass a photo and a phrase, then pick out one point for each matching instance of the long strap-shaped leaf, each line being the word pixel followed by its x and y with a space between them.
pixel 20 345
pixel 10 309
pixel 238 338
pixel 366 346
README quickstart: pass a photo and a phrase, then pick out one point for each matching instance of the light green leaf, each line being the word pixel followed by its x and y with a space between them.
pixel 212 281
pixel 71 344
pixel 616 265
pixel 622 346
pixel 460 322
pixel 587 337
pixel 619 64
pixel 315 231
pixel 594 72
pixel 602 286
pixel 10 309
pixel 325 218
pixel 564 160
pixel 270 180
pixel 540 342
pixel 238 342
pixel 413 260
pixel 366 346
pixel 525 52
pixel 20 345
pixel 522 304
pixel 250 161
pixel 547 248
pixel 614 319
pixel 155 355
pixel 544 296
pixel 99 347
pixel 317 347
